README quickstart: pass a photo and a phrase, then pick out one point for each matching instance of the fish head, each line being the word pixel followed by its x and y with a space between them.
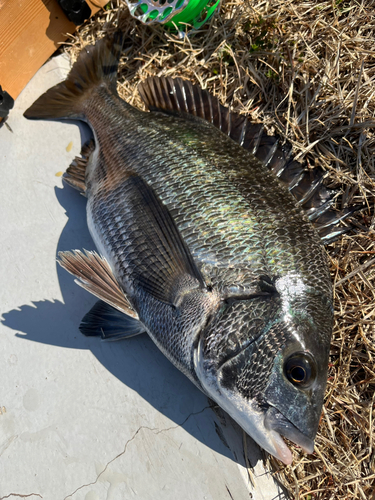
pixel 265 362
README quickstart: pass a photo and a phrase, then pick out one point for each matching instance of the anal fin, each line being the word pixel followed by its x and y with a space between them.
pixel 75 173
pixel 109 323
pixel 95 275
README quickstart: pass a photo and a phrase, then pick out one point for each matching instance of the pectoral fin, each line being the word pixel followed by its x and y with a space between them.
pixel 109 323
pixel 160 263
pixel 95 275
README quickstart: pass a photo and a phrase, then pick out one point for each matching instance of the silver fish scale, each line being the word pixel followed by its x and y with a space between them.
pixel 253 377
pixel 237 220
pixel 245 327
pixel 229 209
pixel 123 242
pixel 174 333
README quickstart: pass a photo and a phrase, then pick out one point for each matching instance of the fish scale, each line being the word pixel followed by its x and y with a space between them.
pixel 240 222
pixel 221 243
pixel 201 246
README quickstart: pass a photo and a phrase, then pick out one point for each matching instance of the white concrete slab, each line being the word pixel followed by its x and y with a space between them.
pixel 82 419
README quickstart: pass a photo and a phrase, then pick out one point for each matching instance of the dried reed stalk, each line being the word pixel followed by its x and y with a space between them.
pixel 307 70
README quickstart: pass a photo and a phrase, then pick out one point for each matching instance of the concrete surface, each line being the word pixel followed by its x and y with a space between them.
pixel 82 419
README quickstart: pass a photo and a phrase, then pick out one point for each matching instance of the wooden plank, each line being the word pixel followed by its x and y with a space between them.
pixel 30 32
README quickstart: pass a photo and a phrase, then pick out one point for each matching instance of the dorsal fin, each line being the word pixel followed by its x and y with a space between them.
pixel 181 96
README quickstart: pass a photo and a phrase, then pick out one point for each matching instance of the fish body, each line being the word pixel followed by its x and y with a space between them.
pixel 202 247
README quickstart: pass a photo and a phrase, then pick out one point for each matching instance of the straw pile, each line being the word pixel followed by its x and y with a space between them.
pixel 306 69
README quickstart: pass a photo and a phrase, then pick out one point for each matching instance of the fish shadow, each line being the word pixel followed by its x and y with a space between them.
pixel 136 362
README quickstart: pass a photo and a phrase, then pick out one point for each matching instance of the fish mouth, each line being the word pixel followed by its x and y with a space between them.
pixel 276 427
pixel 265 427
pixel 277 423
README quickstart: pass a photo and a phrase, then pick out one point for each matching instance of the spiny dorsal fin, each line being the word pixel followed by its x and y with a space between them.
pixel 95 275
pixel 75 173
pixel 306 185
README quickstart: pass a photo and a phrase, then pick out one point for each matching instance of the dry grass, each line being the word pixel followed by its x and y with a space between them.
pixel 307 70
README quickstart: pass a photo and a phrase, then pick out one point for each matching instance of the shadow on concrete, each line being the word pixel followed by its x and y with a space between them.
pixel 136 362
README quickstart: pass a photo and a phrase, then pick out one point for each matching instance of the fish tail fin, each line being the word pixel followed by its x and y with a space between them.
pixel 96 64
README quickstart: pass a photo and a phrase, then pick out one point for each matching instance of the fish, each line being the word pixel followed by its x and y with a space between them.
pixel 209 239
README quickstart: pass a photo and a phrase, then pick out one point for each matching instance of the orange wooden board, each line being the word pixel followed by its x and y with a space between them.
pixel 30 32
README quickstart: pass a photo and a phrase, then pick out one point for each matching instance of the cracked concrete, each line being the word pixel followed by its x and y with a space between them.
pixel 21 496
pixel 105 421
pixel 143 427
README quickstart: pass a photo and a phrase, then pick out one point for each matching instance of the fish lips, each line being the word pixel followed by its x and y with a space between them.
pixel 277 422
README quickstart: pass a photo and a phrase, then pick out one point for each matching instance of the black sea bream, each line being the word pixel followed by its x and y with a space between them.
pixel 206 248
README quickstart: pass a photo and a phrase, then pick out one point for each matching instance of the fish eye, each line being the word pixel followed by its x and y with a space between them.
pixel 300 369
